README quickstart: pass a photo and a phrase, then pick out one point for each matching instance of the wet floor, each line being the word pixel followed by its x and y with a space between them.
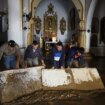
pixel 99 63
pixel 71 97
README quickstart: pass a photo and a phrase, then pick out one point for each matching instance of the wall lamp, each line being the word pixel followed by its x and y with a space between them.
pixel 28 16
pixel 25 28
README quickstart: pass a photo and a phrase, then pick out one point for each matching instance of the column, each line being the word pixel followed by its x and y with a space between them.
pixel 15 22
pixel 25 23
pixel 82 25
pixel 82 35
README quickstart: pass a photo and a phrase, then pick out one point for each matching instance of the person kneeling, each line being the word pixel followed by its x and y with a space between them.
pixel 11 55
pixel 77 59
pixel 57 56
pixel 33 54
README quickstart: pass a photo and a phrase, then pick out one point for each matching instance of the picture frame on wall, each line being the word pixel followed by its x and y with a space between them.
pixel 62 25
pixel 37 24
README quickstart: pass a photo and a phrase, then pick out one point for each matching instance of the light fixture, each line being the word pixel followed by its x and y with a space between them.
pixel 27 16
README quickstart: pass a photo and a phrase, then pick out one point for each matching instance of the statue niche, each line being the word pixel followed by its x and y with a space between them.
pixel 50 22
pixel 37 24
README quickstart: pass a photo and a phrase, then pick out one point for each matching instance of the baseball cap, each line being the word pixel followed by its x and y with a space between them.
pixel 12 43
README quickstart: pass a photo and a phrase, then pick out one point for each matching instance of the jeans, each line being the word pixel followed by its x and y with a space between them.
pixel 10 62
pixel 81 60
pixel 32 61
pixel 57 64
pixel 69 62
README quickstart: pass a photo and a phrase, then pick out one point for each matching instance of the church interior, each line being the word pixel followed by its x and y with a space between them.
pixel 52 21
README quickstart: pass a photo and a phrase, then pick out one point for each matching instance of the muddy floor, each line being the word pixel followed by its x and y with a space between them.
pixel 71 97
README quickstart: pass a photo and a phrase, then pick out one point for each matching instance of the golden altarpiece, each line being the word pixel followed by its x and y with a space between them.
pixel 50 22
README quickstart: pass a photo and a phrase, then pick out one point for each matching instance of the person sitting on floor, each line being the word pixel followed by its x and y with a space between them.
pixel 11 55
pixel 57 56
pixel 33 54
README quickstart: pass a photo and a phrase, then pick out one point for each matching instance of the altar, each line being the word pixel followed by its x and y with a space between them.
pixel 49 45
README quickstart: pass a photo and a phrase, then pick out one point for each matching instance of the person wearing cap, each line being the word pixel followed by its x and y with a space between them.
pixel 11 55
pixel 33 54
pixel 57 56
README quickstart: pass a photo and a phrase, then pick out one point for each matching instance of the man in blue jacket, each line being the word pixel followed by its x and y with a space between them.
pixel 58 56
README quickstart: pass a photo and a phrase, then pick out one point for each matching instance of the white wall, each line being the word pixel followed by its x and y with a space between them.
pixel 87 6
pixel 62 8
pixel 14 22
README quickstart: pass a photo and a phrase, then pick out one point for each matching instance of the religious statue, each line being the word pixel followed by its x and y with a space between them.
pixel 50 23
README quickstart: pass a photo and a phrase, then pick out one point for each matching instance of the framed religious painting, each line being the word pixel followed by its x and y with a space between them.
pixel 37 24
pixel 62 25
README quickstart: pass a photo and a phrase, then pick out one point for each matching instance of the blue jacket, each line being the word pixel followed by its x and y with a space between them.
pixel 71 53
pixel 62 58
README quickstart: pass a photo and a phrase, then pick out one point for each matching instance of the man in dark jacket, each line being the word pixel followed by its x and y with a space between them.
pixel 58 56
pixel 71 56
pixel 33 54
pixel 75 56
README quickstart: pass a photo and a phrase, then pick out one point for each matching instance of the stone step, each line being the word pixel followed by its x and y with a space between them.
pixel 74 78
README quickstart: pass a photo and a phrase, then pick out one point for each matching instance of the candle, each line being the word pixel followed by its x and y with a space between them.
pixel 41 42
pixel 54 39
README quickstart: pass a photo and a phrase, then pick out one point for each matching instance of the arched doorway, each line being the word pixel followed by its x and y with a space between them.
pixel 98 27
pixel 34 4
pixel 77 3
pixel 94 32
pixel 93 42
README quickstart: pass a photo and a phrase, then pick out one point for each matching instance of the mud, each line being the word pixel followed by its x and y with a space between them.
pixel 71 97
